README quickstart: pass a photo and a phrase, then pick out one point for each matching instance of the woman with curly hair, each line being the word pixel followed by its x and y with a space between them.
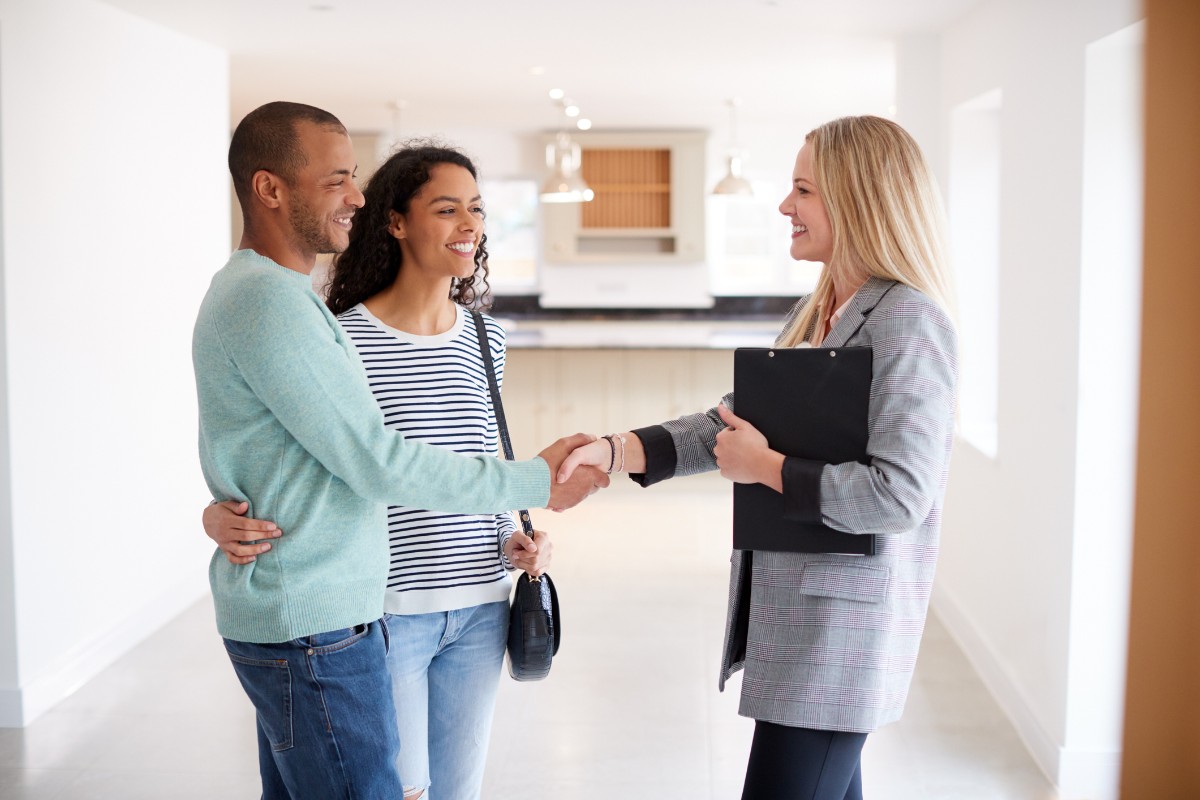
pixel 416 263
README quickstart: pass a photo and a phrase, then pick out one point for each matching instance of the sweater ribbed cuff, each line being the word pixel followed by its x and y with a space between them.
pixel 533 485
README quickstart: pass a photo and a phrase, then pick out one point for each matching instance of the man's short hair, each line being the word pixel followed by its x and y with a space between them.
pixel 267 139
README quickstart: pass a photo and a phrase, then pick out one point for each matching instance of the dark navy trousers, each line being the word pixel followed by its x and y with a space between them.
pixel 789 763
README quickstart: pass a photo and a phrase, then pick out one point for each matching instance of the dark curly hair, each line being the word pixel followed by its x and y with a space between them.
pixel 371 261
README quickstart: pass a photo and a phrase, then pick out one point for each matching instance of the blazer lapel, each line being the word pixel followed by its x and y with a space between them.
pixel 863 303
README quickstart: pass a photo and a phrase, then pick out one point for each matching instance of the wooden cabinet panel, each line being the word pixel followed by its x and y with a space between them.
pixel 530 400
pixel 632 186
pixel 649 203
pixel 552 393
pixel 661 386
pixel 713 371
pixel 589 384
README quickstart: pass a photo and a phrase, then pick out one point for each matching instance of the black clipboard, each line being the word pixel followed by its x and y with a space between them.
pixel 810 402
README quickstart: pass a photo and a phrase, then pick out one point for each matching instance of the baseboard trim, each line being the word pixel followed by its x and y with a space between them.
pixel 22 706
pixel 1012 700
pixel 1076 774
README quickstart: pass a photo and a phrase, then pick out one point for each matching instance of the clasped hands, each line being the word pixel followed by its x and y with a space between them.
pixel 578 467
pixel 741 452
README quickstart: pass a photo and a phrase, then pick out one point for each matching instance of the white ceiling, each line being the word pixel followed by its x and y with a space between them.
pixel 627 63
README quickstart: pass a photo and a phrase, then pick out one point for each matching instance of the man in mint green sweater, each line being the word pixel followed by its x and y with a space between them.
pixel 289 425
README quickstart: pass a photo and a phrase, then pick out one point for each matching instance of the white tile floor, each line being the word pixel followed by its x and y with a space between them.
pixel 625 713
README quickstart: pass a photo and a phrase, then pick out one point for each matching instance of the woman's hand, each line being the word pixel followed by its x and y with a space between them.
pixel 598 453
pixel 531 555
pixel 743 453
pixel 237 535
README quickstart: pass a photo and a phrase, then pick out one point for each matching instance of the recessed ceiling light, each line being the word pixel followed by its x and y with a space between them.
pixel 583 123
pixel 571 111
pixel 556 94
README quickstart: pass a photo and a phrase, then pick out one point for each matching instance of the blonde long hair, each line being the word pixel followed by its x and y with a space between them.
pixel 885 212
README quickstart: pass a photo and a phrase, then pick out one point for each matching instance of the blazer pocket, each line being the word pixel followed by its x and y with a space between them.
pixel 840 581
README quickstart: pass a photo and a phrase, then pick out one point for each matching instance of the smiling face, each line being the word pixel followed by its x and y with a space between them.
pixel 812 235
pixel 322 195
pixel 444 224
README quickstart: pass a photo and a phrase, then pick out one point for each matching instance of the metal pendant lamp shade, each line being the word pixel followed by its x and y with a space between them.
pixel 733 183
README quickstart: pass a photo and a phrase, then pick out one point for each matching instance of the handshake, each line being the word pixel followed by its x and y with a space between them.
pixel 580 464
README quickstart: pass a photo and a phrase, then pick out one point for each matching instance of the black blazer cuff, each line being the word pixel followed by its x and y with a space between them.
pixel 660 455
pixel 802 490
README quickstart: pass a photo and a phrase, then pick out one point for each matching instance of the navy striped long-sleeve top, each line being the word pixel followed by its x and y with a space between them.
pixel 434 389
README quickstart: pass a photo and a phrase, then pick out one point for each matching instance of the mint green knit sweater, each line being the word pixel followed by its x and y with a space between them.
pixel 288 423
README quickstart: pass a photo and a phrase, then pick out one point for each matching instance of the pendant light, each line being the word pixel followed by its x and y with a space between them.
pixel 389 139
pixel 733 182
pixel 565 184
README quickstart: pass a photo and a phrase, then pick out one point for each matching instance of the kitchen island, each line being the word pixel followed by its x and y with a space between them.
pixel 604 370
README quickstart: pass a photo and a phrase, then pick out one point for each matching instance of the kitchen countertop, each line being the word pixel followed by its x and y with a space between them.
pixel 641 334
pixel 730 323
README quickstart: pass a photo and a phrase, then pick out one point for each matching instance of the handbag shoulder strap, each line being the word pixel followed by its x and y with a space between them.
pixel 485 350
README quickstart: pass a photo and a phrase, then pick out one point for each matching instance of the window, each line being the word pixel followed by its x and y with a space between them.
pixel 512 233
pixel 974 209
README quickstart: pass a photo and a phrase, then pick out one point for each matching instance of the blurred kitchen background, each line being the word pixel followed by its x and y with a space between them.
pixel 681 120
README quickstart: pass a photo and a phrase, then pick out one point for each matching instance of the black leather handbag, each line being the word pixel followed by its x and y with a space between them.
pixel 534 631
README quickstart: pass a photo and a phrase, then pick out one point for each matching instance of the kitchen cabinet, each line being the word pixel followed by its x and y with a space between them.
pixel 648 206
pixel 552 393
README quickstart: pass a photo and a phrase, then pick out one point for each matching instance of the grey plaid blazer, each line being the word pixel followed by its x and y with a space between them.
pixel 832 639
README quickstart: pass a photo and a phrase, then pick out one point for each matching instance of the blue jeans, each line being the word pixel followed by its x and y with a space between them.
pixel 445 671
pixel 326 723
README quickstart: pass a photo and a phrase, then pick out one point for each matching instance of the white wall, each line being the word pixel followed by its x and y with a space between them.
pixel 9 705
pixel 1018 578
pixel 115 214
pixel 1106 442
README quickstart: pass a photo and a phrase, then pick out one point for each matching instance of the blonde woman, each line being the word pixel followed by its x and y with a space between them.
pixel 828 642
